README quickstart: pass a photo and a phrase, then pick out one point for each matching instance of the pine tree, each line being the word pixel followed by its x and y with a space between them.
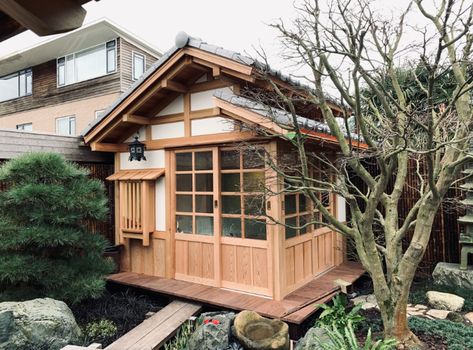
pixel 45 246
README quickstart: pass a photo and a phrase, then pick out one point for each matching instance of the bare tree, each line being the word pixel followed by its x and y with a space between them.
pixel 347 48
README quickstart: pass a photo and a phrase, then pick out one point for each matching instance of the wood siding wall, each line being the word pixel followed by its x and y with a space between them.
pixel 47 93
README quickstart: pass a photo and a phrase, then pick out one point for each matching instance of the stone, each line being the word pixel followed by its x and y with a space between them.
pixel 149 314
pixel 37 324
pixel 313 339
pixel 449 275
pixel 455 317
pixel 420 307
pixel 258 333
pixel 367 306
pixel 214 332
pixel 438 314
pixel 469 317
pixel 445 301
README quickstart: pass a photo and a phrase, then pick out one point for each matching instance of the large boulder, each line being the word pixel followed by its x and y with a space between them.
pixel 449 275
pixel 313 339
pixel 214 332
pixel 39 324
pixel 255 332
pixel 445 301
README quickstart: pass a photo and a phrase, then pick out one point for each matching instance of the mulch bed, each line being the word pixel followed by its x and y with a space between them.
pixel 125 308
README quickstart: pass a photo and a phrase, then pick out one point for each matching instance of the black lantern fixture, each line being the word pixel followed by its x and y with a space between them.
pixel 137 150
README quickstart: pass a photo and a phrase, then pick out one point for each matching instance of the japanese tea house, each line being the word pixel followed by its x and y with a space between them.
pixel 185 215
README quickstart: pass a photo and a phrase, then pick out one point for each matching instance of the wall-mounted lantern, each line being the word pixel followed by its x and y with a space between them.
pixel 137 150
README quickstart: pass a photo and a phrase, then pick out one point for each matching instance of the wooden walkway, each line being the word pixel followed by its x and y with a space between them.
pixel 294 308
pixel 155 331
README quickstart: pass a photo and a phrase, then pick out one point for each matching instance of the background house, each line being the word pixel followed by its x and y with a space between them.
pixel 63 84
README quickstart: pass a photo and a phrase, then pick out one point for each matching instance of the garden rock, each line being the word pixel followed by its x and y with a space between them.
pixel 258 333
pixel 445 301
pixel 455 317
pixel 312 340
pixel 37 324
pixel 214 333
pixel 469 317
pixel 449 275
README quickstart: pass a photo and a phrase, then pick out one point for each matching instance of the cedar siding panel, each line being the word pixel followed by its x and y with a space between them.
pixel 126 57
pixel 47 93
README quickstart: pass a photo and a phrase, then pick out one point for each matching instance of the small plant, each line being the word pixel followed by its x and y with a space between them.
pixel 345 339
pixel 100 330
pixel 337 315
pixel 179 342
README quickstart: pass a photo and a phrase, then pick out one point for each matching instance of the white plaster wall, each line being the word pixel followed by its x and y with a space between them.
pixel 203 100
pixel 341 209
pixel 176 106
pixel 141 133
pixel 161 204
pixel 168 130
pixel 214 125
pixel 154 159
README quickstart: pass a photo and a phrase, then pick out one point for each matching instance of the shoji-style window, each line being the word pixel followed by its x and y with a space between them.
pixel 195 192
pixel 242 177
pixel 137 202
pixel 297 213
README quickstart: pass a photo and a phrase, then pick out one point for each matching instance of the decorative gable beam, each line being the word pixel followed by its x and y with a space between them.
pixel 108 147
pixel 135 119
pixel 174 86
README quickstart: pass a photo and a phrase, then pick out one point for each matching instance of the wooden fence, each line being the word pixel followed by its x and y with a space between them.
pixel 443 245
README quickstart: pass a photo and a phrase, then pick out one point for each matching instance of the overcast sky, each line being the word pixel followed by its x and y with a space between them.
pixel 236 25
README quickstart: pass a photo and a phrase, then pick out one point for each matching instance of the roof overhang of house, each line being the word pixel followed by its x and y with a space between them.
pixel 92 34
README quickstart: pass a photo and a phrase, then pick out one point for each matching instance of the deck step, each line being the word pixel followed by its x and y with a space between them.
pixel 152 333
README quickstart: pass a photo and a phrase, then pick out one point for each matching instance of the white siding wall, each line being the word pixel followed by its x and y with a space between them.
pixel 161 204
pixel 168 130
pixel 214 125
pixel 154 159
pixel 141 133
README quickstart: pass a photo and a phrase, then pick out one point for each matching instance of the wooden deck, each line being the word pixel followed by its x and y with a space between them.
pixel 294 308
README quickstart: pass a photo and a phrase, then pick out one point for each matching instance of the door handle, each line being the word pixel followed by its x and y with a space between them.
pixel 216 204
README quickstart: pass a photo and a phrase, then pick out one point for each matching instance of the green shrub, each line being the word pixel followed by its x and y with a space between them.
pixel 457 335
pixel 46 248
pixel 179 342
pixel 337 314
pixel 345 339
pixel 97 331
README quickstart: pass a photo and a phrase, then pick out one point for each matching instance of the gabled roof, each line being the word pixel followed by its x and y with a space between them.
pixel 196 51
pixel 92 34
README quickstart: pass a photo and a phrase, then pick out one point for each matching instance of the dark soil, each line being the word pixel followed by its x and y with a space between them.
pixel 125 308
pixel 373 321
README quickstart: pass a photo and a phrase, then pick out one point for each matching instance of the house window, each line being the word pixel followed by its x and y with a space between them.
pixel 66 126
pixel 139 63
pixel 98 113
pixel 242 188
pixel 87 64
pixel 25 127
pixel 16 85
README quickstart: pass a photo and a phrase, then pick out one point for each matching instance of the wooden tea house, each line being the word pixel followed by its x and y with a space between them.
pixel 185 215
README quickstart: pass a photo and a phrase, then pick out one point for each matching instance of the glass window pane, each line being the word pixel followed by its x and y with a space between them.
pixel 255 229
pixel 184 203
pixel 230 159
pixel 69 71
pixel 290 204
pixel 61 78
pixel 29 82
pixel 204 204
pixel 291 232
pixel 230 182
pixel 253 182
pixel 231 227
pixel 65 126
pixel 204 225
pixel 183 224
pixel 253 159
pixel 90 63
pixel 203 160
pixel 302 221
pixel 9 87
pixel 184 182
pixel 254 205
pixel 111 61
pixel 325 199
pixel 138 65
pixel 231 204
pixel 183 161
pixel 204 182
pixel 22 81
pixel 72 126
pixel 302 203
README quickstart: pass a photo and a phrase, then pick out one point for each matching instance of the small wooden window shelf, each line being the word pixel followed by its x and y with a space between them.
pixel 137 202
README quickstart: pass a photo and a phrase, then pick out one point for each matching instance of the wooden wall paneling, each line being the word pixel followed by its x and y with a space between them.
pixel 182 257
pixel 298 263
pixel 260 274
pixel 228 263
pixel 209 264
pixel 308 270
pixel 187 113
pixel 290 267
pixel 116 184
pixel 244 265
pixel 170 222
pixel 159 257
pixel 195 259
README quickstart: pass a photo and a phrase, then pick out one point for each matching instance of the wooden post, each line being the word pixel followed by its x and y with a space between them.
pixel 170 224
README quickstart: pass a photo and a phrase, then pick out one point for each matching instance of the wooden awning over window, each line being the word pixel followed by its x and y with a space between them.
pixel 142 174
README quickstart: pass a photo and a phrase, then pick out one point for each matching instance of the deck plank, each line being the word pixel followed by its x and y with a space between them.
pixel 294 308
